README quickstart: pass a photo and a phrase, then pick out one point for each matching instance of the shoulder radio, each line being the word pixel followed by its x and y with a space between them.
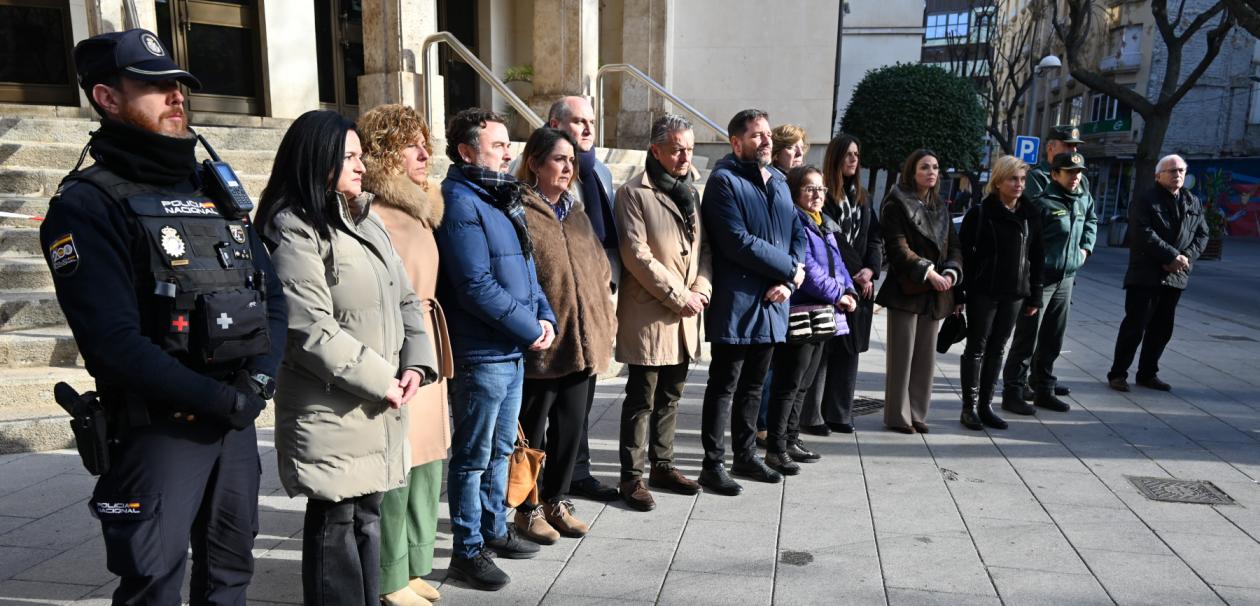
pixel 226 188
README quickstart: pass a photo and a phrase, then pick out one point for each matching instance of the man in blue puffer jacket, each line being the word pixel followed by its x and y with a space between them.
pixel 758 248
pixel 495 309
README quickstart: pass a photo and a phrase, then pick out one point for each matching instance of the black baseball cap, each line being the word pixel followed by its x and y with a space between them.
pixel 1067 134
pixel 135 53
pixel 1068 161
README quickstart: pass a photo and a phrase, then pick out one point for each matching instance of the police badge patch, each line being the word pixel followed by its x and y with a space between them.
pixel 63 255
pixel 172 244
pixel 152 45
pixel 238 233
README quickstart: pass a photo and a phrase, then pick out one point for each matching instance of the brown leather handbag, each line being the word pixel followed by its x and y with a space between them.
pixel 524 466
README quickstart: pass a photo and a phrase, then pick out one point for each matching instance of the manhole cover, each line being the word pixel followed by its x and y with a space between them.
pixel 796 558
pixel 1180 491
pixel 866 406
pixel 1232 338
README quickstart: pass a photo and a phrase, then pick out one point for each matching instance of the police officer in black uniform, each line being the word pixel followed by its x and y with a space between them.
pixel 180 319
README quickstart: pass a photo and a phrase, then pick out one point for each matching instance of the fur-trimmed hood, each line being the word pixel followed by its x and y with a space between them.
pixel 399 192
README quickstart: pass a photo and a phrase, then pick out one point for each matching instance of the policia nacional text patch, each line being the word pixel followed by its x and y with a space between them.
pixel 63 256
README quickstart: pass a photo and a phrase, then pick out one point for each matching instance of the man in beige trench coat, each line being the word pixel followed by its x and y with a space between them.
pixel 664 287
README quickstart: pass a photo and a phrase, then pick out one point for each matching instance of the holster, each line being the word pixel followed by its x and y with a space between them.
pixel 90 425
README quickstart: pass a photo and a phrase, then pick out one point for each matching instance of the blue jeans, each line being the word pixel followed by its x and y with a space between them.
pixel 485 403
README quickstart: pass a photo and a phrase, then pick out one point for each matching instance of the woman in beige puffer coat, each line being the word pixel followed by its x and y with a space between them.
pixel 357 352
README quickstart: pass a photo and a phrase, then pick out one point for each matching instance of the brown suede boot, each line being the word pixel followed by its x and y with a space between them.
pixel 424 589
pixel 559 514
pixel 532 524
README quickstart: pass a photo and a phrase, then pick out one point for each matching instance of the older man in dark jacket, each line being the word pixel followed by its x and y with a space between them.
pixel 758 248
pixel 1167 233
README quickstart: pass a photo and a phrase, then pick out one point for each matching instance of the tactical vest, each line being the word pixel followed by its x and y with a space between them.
pixel 208 307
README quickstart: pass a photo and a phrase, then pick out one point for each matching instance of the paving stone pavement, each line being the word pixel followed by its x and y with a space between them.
pixel 1041 513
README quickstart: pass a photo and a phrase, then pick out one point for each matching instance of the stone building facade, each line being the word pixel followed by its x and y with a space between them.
pixel 275 59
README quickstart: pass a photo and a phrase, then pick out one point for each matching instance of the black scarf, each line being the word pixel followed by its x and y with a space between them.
pixel 142 156
pixel 681 191
pixel 507 192
pixel 595 197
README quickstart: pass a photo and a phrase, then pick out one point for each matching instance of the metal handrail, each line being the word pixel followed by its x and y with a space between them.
pixel 130 16
pixel 626 68
pixel 488 76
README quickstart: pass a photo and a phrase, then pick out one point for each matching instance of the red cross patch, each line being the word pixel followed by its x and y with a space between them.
pixel 179 323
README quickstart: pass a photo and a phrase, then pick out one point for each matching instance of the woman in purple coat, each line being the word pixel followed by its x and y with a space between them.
pixel 827 284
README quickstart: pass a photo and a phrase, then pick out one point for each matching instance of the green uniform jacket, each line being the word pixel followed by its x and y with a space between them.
pixel 1068 225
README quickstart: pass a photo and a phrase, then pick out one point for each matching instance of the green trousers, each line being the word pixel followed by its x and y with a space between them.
pixel 409 517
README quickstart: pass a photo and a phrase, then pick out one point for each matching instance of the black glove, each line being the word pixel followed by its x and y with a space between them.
pixel 247 404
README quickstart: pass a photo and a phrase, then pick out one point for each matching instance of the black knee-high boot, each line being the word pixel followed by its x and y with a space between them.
pixel 970 379
pixel 984 405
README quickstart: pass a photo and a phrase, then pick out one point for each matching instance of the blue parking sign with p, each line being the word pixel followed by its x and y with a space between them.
pixel 1026 148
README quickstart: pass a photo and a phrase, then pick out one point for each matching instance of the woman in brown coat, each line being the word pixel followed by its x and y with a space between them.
pixel 396 143
pixel 560 381
pixel 924 264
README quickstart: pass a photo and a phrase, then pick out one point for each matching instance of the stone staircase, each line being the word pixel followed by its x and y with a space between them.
pixel 37 148
pixel 36 347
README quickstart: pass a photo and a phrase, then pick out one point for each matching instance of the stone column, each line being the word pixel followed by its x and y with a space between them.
pixel 111 16
pixel 290 64
pixel 647 43
pixel 566 50
pixel 393 34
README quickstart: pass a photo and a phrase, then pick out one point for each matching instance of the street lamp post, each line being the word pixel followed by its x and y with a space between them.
pixel 1051 64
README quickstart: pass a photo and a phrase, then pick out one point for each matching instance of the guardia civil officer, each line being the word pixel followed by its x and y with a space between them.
pixel 175 308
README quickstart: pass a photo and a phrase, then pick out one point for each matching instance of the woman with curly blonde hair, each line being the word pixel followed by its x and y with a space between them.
pixel 397 148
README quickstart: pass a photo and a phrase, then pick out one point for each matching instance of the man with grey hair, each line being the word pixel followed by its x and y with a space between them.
pixel 1167 233
pixel 574 115
pixel 664 288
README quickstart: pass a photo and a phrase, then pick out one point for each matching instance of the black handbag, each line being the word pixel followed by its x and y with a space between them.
pixel 953 330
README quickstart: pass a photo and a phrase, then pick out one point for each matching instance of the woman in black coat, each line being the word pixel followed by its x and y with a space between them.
pixel 1002 253
pixel 863 251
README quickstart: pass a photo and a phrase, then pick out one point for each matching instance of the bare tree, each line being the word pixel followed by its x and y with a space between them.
pixel 1175 31
pixel 1247 12
pixel 998 58
pixel 1010 72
